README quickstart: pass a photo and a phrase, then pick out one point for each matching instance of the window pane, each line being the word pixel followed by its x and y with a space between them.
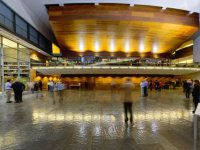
pixel 33 35
pixel 23 54
pixel 6 16
pixel 9 43
pixel 21 27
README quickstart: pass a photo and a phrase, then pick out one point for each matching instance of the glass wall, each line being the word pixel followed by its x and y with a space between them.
pixel 15 61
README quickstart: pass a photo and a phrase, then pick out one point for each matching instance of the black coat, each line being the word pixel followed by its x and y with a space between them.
pixel 196 93
pixel 18 87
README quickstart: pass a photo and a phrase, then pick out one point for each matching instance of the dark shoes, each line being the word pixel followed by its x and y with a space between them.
pixel 131 121
pixel 9 102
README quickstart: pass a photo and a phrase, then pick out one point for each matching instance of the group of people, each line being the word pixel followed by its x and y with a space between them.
pixel 18 87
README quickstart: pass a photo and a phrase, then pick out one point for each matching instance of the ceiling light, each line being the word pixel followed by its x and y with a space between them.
pixel 141 47
pixel 127 47
pixel 155 48
pixel 112 46
pixel 96 46
pixel 81 46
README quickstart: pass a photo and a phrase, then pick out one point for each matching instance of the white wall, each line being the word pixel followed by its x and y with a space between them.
pixel 34 12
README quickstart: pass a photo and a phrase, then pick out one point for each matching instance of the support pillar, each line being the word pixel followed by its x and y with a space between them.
pixel 2 67
pixel 18 62
pixel 196 50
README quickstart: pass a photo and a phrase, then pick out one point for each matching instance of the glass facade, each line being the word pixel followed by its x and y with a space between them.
pixel 15 61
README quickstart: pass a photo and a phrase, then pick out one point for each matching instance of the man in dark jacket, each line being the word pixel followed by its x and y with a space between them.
pixel 18 88
pixel 195 94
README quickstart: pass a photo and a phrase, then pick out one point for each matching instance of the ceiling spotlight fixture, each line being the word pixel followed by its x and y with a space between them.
pixel 112 46
pixel 155 48
pixel 81 46
pixel 96 46
pixel 141 47
pixel 127 47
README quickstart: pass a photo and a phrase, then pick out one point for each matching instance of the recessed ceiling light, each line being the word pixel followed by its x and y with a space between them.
pixel 127 47
pixel 96 46
pixel 155 48
pixel 112 46
pixel 141 47
pixel 81 46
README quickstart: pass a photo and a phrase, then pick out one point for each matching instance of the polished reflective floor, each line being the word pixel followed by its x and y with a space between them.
pixel 94 120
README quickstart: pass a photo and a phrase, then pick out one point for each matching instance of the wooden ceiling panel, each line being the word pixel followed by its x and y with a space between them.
pixel 114 27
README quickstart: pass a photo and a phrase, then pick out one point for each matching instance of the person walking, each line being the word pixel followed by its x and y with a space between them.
pixel 127 97
pixel 196 94
pixel 8 87
pixel 18 88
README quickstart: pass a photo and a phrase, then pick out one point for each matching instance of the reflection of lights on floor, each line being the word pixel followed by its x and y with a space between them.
pixel 154 126
pixel 156 115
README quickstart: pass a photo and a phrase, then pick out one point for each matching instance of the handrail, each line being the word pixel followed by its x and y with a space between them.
pixel 118 67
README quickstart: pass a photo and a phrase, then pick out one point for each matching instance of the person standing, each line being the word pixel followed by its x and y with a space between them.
pixel 127 87
pixel 184 86
pixel 151 85
pixel 18 88
pixel 145 88
pixel 60 87
pixel 51 91
pixel 36 87
pixel 142 85
pixel 8 87
pixel 195 94
pixel 188 89
pixel 40 86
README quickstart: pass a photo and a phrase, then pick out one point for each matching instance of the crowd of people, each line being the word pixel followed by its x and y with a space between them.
pixel 34 87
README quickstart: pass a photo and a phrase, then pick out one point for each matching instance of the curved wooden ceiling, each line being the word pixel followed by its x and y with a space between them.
pixel 121 28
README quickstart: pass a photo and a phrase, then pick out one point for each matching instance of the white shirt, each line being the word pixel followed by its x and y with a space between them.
pixel 8 86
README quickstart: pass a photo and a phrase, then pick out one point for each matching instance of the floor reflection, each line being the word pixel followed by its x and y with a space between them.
pixel 95 120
